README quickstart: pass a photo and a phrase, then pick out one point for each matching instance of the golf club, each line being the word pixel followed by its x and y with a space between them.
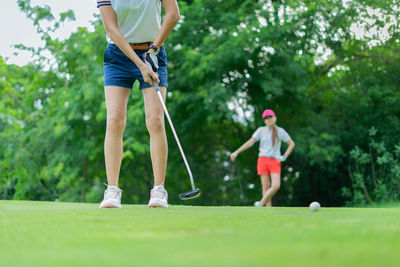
pixel 195 191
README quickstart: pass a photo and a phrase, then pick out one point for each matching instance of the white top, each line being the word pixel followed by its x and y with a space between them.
pixel 264 135
pixel 138 20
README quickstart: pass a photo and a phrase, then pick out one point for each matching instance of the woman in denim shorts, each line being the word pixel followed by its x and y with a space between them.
pixel 134 28
pixel 269 157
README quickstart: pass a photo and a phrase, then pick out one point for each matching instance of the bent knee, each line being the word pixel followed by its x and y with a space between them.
pixel 116 122
pixel 276 187
pixel 155 123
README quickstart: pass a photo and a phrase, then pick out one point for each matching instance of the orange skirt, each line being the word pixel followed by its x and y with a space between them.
pixel 267 165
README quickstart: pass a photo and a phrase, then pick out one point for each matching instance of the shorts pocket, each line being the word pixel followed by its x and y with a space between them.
pixel 162 57
pixel 106 54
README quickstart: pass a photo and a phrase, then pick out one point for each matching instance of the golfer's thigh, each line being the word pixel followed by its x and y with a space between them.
pixel 152 102
pixel 275 180
pixel 116 100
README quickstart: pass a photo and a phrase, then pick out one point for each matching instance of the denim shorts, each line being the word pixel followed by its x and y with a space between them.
pixel 119 70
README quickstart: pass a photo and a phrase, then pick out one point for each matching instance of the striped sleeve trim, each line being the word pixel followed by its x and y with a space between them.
pixel 103 3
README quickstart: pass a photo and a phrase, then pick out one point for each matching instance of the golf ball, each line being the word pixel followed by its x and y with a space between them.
pixel 314 206
pixel 257 204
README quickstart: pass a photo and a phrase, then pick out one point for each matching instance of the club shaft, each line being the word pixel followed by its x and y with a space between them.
pixel 175 135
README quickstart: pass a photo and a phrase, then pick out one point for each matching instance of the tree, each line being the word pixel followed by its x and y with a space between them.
pixel 228 61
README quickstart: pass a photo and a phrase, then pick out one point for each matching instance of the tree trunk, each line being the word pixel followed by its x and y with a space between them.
pixel 83 196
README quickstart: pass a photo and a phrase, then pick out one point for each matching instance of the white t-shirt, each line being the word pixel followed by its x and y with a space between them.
pixel 138 20
pixel 264 135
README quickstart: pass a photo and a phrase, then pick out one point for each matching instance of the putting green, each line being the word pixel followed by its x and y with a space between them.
pixel 72 234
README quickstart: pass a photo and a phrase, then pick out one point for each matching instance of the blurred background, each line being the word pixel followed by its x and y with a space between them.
pixel 329 69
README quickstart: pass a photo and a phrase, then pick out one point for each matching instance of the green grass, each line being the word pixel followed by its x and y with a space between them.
pixel 70 234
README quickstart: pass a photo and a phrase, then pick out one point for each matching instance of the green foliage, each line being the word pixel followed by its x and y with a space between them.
pixel 55 112
pixel 374 173
pixel 228 61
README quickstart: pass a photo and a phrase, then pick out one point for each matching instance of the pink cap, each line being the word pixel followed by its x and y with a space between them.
pixel 268 112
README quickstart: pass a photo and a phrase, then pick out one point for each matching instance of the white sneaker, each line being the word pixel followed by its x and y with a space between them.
pixel 158 197
pixel 257 204
pixel 112 198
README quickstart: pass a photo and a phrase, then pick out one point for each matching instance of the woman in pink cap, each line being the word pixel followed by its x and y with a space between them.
pixel 269 157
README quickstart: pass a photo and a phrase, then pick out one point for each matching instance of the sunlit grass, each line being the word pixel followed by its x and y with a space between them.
pixel 71 234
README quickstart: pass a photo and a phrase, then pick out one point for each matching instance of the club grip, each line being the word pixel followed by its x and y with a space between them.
pixel 156 85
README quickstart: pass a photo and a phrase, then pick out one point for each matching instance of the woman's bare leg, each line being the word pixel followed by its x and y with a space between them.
pixel 266 184
pixel 275 185
pixel 156 128
pixel 116 104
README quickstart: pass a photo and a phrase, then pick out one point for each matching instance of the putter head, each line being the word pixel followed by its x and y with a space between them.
pixel 190 195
